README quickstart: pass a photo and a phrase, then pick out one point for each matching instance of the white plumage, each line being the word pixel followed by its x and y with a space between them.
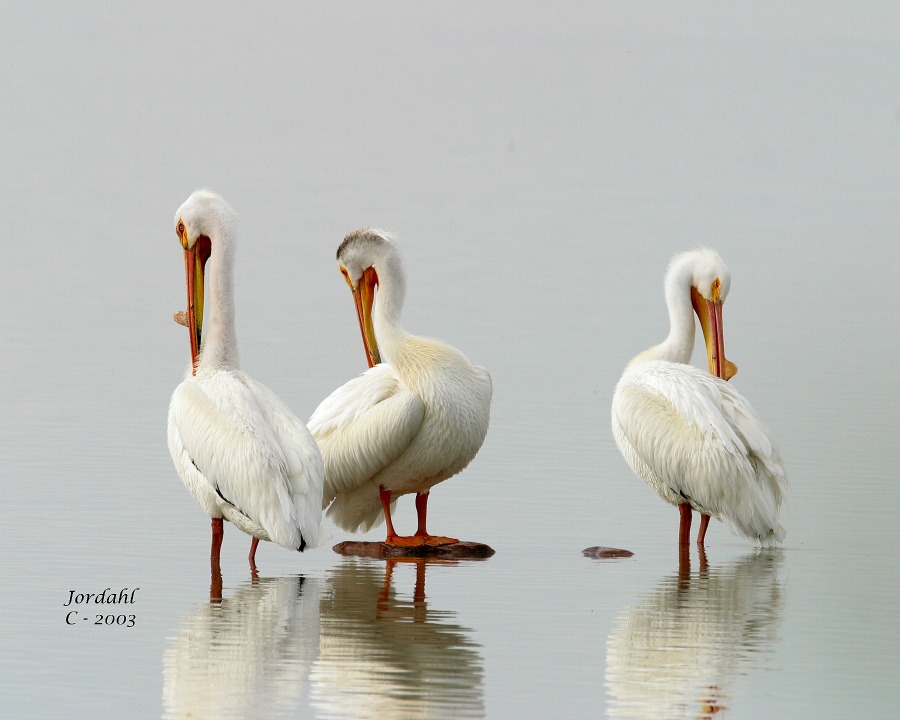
pixel 407 423
pixel 690 435
pixel 241 452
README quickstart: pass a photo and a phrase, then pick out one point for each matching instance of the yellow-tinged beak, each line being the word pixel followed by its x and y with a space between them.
pixel 364 297
pixel 194 268
pixel 709 312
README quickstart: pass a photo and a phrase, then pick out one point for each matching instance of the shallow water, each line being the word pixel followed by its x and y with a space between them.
pixel 539 167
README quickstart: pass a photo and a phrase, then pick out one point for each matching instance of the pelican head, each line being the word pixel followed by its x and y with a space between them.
pixel 202 215
pixel 357 257
pixel 710 283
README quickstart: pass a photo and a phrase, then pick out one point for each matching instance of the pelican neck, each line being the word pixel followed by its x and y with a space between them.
pixel 389 304
pixel 679 344
pixel 218 347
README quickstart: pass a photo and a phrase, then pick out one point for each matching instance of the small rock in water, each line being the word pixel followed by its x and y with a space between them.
pixel 181 317
pixel 453 551
pixel 598 552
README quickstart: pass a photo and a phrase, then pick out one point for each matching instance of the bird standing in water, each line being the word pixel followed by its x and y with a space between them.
pixel 689 434
pixel 240 451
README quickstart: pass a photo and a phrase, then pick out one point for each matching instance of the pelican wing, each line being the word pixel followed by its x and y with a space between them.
pixel 715 406
pixel 233 446
pixel 701 439
pixel 363 426
pixel 303 461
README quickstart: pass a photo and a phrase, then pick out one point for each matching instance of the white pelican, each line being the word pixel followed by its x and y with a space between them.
pixel 691 436
pixel 407 423
pixel 238 448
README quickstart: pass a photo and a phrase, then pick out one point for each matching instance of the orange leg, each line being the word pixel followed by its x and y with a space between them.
pixel 684 528
pixel 393 538
pixel 422 512
pixel 704 523
pixel 218 532
pixel 252 556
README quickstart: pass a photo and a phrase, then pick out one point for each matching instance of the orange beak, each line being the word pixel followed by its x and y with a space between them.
pixel 364 297
pixel 709 312
pixel 195 267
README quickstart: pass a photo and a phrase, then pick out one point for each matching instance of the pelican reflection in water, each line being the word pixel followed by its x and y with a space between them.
pixel 348 646
pixel 678 652
pixel 244 656
pixel 386 655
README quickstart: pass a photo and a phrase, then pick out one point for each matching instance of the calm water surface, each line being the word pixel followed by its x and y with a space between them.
pixel 539 167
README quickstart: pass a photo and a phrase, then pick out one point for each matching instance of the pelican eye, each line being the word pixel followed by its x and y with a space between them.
pixel 346 276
